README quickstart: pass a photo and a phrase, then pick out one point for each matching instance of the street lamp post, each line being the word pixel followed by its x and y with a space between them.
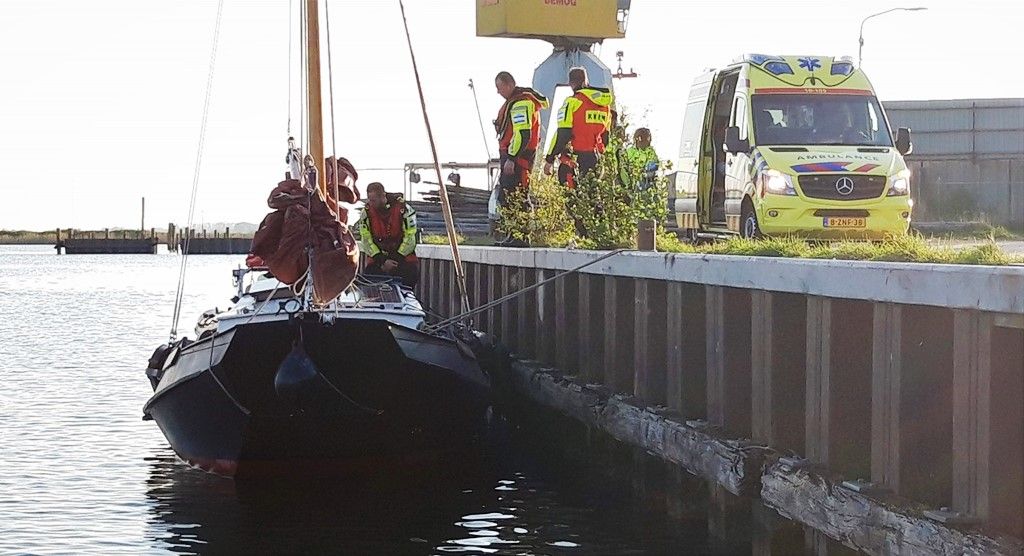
pixel 860 50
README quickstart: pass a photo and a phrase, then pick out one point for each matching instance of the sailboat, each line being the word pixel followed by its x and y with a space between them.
pixel 314 364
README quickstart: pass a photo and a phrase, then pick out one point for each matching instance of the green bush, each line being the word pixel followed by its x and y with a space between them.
pixel 538 216
pixel 607 210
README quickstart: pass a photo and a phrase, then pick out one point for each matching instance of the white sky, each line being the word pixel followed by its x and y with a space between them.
pixel 100 101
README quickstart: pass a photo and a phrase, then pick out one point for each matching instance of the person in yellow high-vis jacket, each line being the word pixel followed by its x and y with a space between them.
pixel 518 128
pixel 584 122
pixel 387 234
pixel 642 160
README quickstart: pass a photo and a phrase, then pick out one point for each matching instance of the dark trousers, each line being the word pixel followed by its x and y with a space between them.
pixel 408 271
pixel 520 177
pixel 570 174
pixel 509 184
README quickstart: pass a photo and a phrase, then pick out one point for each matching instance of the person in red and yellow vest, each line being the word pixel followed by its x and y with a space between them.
pixel 584 122
pixel 518 128
pixel 387 235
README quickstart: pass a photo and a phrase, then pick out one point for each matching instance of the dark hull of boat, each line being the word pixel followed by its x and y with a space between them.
pixel 383 392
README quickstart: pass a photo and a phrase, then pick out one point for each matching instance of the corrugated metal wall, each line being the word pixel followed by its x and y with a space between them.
pixel 968 158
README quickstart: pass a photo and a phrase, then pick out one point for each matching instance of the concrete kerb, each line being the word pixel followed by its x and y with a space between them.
pixel 987 288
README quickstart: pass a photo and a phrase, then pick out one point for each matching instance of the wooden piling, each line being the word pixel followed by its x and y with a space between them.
pixel 838 388
pixel 494 281
pixel 566 323
pixel 591 326
pixel 778 361
pixel 727 514
pixel 686 350
pixel 912 402
pixel 646 230
pixel 544 325
pixel 526 314
pixel 728 359
pixel 618 336
pixel 508 320
pixel 773 534
pixel 650 379
pixel 988 407
pixel 479 297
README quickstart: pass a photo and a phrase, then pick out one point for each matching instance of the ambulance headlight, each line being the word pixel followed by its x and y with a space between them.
pixel 775 182
pixel 900 183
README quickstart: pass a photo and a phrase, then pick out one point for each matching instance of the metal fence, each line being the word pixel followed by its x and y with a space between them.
pixel 968 158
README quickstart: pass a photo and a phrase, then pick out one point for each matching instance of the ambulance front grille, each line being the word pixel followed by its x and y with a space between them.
pixel 829 186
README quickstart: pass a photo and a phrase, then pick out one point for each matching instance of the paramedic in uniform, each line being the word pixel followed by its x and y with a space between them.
pixel 583 125
pixel 387 235
pixel 518 128
pixel 642 158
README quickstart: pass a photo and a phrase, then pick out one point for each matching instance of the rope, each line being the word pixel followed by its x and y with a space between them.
pixel 330 83
pixel 449 224
pixel 291 9
pixel 480 118
pixel 179 295
pixel 500 300
pixel 299 286
pixel 303 108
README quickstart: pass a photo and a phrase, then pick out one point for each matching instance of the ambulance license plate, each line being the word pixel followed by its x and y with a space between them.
pixel 845 222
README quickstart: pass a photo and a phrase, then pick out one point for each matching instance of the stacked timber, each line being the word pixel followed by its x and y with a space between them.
pixel 469 211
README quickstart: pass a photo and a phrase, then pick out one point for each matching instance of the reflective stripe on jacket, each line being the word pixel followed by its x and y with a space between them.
pixel 518 123
pixel 391 230
pixel 583 122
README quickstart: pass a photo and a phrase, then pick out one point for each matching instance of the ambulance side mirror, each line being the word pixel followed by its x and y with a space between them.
pixel 733 143
pixel 903 143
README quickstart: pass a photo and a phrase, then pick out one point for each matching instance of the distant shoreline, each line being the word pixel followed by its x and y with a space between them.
pixel 21 237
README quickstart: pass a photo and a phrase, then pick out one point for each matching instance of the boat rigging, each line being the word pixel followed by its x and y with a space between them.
pixel 313 362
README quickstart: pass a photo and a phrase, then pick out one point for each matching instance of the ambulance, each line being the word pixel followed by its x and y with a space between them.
pixel 790 145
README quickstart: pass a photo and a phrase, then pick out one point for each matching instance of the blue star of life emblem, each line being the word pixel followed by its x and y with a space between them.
pixel 810 64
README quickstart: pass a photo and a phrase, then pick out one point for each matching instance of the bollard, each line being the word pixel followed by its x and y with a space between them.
pixel 645 230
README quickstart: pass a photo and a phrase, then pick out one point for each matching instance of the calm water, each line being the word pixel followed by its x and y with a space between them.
pixel 80 472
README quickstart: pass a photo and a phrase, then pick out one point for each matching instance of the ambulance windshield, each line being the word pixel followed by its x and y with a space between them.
pixel 819 119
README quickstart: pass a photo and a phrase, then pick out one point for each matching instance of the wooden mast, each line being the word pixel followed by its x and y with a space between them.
pixel 316 124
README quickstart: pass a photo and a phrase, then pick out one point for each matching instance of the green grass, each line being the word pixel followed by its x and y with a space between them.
pixel 974 231
pixel 898 249
pixel 911 248
pixel 25 237
pixel 435 239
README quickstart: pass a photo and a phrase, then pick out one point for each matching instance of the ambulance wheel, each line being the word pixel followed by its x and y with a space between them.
pixel 749 227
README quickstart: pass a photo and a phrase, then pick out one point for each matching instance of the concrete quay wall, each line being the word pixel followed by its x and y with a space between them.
pixel 881 404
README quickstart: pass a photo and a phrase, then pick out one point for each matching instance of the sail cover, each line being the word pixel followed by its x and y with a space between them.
pixel 305 220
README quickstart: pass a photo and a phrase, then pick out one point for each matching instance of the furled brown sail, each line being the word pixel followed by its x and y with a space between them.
pixel 302 220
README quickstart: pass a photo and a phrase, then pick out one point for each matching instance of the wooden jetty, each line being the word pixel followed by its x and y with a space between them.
pixel 121 242
pixel 204 243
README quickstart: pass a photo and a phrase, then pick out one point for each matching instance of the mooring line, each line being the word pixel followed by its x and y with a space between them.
pixel 500 300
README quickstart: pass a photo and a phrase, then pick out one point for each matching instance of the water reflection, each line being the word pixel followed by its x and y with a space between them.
pixel 83 474
pixel 460 508
pixel 499 503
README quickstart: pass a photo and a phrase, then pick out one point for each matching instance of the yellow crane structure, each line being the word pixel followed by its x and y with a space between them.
pixel 573 27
